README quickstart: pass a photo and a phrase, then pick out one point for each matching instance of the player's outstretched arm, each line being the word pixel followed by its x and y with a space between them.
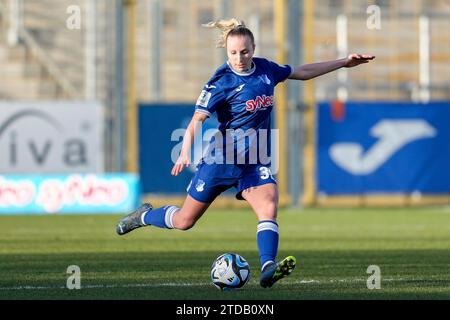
pixel 312 70
pixel 184 160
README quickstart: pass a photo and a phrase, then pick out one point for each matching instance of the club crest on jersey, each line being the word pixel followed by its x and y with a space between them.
pixel 264 79
pixel 260 102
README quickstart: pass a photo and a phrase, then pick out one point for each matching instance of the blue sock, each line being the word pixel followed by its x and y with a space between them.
pixel 267 238
pixel 160 217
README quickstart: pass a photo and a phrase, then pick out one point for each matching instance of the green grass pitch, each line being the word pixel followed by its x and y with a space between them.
pixel 333 247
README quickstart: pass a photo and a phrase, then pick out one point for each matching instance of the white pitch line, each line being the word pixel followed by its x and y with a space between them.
pixel 194 284
pixel 108 286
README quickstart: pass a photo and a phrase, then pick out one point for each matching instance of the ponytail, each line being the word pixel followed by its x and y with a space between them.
pixel 231 27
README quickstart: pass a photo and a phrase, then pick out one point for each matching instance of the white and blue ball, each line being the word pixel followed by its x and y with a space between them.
pixel 230 271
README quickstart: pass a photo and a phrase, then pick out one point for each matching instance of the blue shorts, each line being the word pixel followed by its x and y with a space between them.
pixel 210 180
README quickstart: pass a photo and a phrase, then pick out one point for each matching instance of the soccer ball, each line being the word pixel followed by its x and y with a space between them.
pixel 230 271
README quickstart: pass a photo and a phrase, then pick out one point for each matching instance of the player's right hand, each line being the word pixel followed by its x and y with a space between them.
pixel 182 162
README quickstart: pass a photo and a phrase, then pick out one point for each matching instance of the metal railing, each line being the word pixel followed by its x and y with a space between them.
pixel 49 65
pixel 18 34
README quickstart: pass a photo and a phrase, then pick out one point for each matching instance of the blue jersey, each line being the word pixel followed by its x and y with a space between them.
pixel 243 103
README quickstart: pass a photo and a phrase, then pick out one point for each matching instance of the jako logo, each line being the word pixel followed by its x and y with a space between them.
pixel 261 102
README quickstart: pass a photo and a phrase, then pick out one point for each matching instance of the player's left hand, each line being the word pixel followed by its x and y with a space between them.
pixel 356 59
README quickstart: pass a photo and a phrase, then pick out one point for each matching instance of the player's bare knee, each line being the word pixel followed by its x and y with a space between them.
pixel 267 210
pixel 185 223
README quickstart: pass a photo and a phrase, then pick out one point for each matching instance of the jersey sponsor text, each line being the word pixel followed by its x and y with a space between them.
pixel 260 102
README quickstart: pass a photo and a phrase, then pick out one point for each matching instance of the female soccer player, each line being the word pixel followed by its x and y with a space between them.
pixel 241 93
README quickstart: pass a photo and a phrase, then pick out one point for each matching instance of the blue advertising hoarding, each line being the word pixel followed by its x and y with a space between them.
pixel 161 131
pixel 374 147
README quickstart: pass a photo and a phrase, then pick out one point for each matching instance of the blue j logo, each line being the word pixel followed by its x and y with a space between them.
pixel 392 136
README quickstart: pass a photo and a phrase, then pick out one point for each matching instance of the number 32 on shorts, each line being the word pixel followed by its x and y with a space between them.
pixel 265 173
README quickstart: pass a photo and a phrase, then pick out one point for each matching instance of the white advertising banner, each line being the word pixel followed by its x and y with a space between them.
pixel 70 193
pixel 51 137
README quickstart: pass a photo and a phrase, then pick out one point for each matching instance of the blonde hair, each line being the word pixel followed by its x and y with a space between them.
pixel 228 27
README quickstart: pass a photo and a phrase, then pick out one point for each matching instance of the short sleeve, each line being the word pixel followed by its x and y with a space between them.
pixel 280 72
pixel 209 100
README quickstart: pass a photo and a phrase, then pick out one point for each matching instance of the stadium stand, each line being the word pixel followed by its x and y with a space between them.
pixel 187 50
